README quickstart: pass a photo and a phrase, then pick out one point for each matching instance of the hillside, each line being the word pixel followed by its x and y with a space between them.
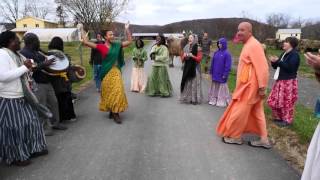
pixel 216 28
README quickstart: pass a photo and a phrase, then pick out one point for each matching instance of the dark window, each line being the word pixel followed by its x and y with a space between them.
pixel 25 25
pixel 37 25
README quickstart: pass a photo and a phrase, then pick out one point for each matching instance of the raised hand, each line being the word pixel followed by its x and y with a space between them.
pixel 127 25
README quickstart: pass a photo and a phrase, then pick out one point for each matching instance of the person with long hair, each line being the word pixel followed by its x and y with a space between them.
pixel 138 77
pixel 191 91
pixel 159 82
pixel 61 83
pixel 21 133
pixel 113 97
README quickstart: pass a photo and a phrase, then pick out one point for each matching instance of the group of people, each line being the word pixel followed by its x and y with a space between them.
pixel 24 84
pixel 159 84
pixel 33 100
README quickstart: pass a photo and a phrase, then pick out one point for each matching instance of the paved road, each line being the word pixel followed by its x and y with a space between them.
pixel 159 140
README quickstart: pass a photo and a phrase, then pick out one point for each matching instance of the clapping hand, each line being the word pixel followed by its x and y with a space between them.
pixel 28 63
pixel 273 58
pixel 49 62
pixel 312 60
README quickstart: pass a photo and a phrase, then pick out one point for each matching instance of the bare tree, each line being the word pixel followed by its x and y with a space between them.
pixel 61 13
pixel 10 10
pixel 95 14
pixel 278 20
pixel 35 8
pixel 298 23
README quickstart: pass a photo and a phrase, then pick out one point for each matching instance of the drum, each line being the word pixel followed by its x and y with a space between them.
pixel 61 63
pixel 76 73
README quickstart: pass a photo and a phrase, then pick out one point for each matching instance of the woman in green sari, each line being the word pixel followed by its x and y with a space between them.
pixel 159 82
pixel 113 97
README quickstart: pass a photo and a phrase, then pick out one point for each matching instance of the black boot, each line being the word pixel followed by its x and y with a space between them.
pixel 116 118
pixel 110 115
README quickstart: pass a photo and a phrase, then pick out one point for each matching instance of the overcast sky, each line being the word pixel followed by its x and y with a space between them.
pixel 160 12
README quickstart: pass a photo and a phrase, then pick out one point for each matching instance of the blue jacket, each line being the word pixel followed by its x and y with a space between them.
pixel 221 63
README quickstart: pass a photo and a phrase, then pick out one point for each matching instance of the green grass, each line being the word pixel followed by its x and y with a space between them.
pixel 72 49
pixel 305 121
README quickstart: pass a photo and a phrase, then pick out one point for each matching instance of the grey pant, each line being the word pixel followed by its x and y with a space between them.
pixel 47 97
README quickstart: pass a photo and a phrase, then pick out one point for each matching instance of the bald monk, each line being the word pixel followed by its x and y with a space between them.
pixel 245 114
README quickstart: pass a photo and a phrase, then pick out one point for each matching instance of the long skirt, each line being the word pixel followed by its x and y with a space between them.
pixel 113 97
pixel 159 82
pixel 192 92
pixel 21 133
pixel 66 110
pixel 312 166
pixel 282 99
pixel 219 94
pixel 138 80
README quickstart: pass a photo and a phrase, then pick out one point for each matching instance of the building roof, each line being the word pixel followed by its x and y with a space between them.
pixel 36 19
pixel 21 29
pixel 156 34
pixel 289 31
pixel 46 34
pixel 144 34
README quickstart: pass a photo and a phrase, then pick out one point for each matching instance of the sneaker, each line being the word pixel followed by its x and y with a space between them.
pixel 282 124
pixel 48 132
pixel 42 153
pixel 73 120
pixel 21 163
pixel 59 127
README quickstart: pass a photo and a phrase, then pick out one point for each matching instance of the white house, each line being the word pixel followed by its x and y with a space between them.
pixel 46 34
pixel 282 34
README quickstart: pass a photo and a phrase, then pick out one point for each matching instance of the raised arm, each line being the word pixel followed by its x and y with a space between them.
pixel 129 36
pixel 87 43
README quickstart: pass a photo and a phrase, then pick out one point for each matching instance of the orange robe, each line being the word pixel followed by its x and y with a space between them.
pixel 245 114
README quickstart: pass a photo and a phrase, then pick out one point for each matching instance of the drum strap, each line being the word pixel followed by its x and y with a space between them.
pixel 61 74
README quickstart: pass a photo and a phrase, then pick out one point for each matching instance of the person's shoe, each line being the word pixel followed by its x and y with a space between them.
pixel 227 140
pixel 48 132
pixel 116 118
pixel 59 127
pixel 21 163
pixel 260 144
pixel 73 120
pixel 282 123
pixel 42 153
pixel 110 115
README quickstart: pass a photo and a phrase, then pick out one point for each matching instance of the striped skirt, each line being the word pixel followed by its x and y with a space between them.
pixel 21 133
pixel 192 92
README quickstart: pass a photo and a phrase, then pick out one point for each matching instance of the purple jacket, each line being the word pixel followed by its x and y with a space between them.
pixel 221 63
